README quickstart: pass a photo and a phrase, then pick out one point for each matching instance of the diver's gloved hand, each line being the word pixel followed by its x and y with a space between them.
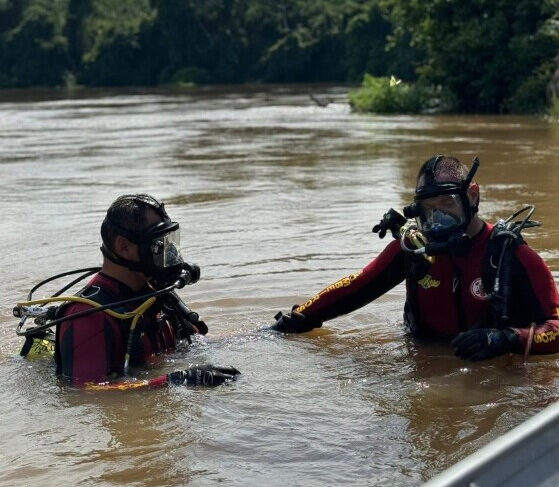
pixel 203 375
pixel 392 220
pixel 187 322
pixel 293 322
pixel 191 324
pixel 202 327
pixel 485 343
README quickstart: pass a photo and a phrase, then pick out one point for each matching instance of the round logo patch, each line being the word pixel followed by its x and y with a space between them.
pixel 476 288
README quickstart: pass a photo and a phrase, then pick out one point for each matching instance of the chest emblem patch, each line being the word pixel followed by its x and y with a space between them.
pixel 428 282
pixel 476 288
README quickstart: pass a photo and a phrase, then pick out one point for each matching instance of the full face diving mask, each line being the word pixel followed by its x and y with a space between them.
pixel 441 216
pixel 442 209
pixel 158 245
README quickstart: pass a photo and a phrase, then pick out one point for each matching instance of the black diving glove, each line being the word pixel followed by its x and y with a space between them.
pixel 485 343
pixel 192 325
pixel 186 321
pixel 203 375
pixel 392 220
pixel 293 322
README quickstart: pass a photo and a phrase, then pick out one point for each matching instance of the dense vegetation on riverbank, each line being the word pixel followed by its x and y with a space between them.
pixel 461 55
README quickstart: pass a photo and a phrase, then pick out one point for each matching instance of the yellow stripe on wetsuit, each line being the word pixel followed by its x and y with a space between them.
pixel 343 282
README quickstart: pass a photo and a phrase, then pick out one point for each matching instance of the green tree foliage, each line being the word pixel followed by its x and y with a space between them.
pixel 487 55
pixel 115 42
pixel 201 41
pixel 33 50
pixel 491 54
pixel 365 47
pixel 75 30
pixel 308 41
pixel 271 40
pixel 112 45
pixel 387 95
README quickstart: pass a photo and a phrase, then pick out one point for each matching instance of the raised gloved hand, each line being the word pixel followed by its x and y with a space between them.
pixel 392 220
pixel 484 343
pixel 202 375
pixel 293 322
pixel 191 324
pixel 186 321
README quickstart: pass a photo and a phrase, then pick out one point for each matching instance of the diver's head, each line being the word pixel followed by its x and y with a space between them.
pixel 446 199
pixel 138 235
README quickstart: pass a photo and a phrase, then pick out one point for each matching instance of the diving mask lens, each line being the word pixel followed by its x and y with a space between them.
pixel 166 250
pixel 440 216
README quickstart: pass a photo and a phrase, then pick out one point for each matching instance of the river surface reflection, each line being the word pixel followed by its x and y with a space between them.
pixel 276 198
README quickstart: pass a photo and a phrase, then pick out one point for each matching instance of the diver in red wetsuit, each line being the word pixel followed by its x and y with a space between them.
pixel 141 254
pixel 460 295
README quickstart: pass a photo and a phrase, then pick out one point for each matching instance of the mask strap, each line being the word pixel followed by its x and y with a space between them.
pixel 146 199
pixel 430 168
pixel 129 264
pixel 471 173
pixel 466 184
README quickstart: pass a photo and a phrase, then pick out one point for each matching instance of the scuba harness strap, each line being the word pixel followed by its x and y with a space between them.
pixel 416 267
pixel 498 264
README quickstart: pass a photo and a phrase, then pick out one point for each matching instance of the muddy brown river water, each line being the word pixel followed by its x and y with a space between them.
pixel 276 198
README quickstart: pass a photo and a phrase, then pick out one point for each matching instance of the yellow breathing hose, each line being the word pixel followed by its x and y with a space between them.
pixel 139 311
pixel 135 314
pixel 77 299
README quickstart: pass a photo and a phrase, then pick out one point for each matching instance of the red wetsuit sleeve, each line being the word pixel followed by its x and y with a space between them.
pixel 85 346
pixel 125 385
pixel 539 302
pixel 359 289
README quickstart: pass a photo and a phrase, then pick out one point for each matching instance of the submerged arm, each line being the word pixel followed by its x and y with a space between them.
pixel 196 375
